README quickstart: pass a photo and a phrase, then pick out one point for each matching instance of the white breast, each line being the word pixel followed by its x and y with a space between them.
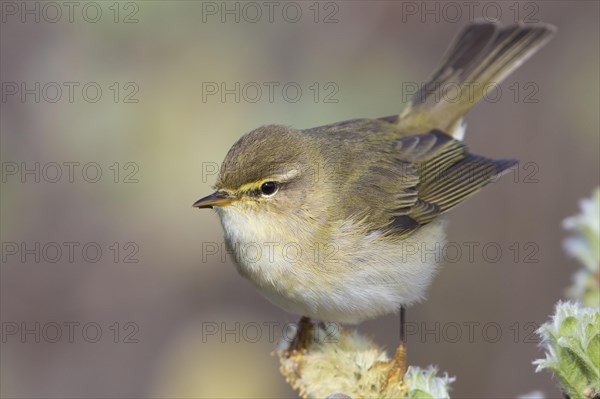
pixel 352 277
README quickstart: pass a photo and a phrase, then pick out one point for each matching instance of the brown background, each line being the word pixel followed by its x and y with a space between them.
pixel 171 294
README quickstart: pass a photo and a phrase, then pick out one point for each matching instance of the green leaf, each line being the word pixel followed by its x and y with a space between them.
pixel 568 326
pixel 418 394
pixel 593 351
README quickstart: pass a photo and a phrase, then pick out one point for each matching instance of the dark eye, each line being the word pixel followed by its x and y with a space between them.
pixel 268 188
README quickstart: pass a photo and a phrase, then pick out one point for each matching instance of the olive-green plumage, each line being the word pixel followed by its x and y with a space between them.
pixel 409 182
pixel 365 186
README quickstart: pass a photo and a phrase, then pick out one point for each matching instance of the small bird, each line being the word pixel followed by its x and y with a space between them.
pixel 338 222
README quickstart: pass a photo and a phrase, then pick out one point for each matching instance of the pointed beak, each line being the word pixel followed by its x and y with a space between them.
pixel 218 198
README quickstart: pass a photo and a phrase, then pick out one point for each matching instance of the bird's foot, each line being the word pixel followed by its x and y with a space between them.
pixel 397 367
pixel 301 341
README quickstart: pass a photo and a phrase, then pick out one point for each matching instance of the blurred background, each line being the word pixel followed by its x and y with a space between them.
pixel 115 116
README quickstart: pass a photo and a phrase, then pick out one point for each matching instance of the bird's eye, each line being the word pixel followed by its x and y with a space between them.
pixel 268 188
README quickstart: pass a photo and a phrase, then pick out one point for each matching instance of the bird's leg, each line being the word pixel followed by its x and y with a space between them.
pixel 302 338
pixel 400 356
pixel 402 320
pixel 398 363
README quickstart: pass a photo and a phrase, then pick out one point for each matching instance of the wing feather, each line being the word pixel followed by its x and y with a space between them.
pixel 438 174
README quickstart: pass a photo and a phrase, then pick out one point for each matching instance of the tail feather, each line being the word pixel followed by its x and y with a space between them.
pixel 482 54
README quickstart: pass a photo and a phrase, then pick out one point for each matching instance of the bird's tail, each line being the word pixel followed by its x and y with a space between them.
pixel 482 55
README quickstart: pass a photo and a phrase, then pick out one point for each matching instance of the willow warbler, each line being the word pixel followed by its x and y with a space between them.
pixel 338 222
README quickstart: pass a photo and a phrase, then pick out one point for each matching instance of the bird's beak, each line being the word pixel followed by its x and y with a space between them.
pixel 218 198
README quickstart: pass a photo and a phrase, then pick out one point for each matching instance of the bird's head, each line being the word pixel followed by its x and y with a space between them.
pixel 269 170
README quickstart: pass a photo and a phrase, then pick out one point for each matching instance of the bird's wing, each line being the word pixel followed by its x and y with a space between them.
pixel 427 175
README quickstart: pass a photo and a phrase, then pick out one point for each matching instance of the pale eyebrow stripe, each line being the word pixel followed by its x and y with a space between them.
pixel 281 177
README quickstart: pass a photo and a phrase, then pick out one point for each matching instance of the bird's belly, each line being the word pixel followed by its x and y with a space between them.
pixel 346 282
pixel 381 282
